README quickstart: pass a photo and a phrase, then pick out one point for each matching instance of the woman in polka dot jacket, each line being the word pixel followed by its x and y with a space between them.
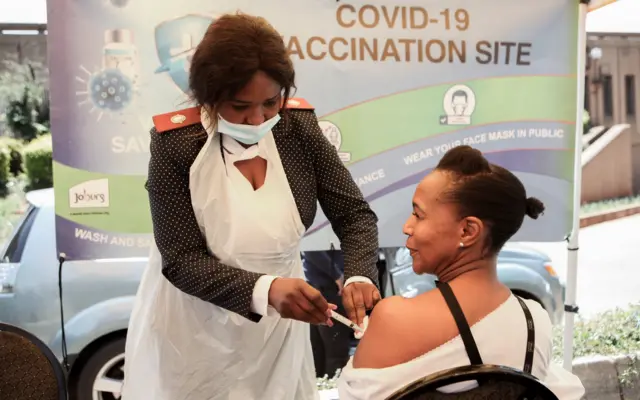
pixel 222 311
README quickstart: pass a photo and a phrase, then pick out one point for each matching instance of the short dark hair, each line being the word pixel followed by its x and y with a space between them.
pixel 488 192
pixel 233 49
pixel 459 93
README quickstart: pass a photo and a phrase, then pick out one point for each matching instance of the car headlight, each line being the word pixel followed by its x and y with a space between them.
pixel 550 270
pixel 8 274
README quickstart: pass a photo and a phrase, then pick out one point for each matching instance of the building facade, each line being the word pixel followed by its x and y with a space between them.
pixel 613 88
pixel 22 42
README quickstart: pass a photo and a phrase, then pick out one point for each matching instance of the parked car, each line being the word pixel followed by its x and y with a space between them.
pixel 98 299
pixel 98 296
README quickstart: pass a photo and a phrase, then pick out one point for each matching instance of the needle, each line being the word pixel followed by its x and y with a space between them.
pixel 345 321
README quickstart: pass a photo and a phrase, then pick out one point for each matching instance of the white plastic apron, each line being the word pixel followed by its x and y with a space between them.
pixel 180 347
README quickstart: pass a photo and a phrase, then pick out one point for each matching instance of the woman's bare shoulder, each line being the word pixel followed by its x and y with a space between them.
pixel 394 334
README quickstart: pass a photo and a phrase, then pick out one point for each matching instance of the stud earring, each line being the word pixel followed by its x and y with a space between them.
pixel 461 245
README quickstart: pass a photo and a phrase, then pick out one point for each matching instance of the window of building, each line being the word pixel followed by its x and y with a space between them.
pixel 607 94
pixel 630 94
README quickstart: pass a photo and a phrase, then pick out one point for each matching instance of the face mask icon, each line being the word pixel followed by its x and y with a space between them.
pixel 333 136
pixel 459 102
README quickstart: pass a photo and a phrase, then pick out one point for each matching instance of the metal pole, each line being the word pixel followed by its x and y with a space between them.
pixel 572 243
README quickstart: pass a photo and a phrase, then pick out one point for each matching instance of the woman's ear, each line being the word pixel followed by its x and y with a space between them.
pixel 472 231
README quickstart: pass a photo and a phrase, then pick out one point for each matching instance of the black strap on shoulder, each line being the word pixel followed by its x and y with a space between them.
pixel 467 337
pixel 461 322
pixel 531 337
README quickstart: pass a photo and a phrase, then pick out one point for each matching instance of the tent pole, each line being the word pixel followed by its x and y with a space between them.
pixel 571 308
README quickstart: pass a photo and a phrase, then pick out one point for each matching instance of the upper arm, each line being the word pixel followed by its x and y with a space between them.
pixel 350 216
pixel 380 346
pixel 175 227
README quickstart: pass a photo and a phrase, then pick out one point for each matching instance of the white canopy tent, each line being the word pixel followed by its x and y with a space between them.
pixel 620 17
pixel 23 12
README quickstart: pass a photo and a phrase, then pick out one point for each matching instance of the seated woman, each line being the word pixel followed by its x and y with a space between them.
pixel 463 213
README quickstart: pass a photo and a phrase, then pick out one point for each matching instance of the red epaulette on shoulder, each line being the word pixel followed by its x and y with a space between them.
pixel 176 119
pixel 299 103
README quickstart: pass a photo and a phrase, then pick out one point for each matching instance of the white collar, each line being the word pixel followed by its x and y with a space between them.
pixel 237 152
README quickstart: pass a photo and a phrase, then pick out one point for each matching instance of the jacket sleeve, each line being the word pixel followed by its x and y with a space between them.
pixel 350 216
pixel 186 261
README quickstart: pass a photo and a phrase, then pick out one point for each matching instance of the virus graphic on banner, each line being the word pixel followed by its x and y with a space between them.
pixel 106 91
pixel 111 90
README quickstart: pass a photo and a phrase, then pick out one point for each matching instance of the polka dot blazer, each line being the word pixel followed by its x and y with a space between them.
pixel 315 174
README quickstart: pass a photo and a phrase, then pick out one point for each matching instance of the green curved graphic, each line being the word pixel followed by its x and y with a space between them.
pixel 402 118
pixel 380 124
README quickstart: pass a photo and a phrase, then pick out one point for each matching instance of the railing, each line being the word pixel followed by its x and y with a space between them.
pixel 9 28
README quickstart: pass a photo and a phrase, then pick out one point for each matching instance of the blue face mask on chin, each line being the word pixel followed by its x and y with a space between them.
pixel 247 134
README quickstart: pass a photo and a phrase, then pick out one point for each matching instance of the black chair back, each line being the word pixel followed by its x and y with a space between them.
pixel 494 383
pixel 28 368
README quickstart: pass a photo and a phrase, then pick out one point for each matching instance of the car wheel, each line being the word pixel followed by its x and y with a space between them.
pixel 102 376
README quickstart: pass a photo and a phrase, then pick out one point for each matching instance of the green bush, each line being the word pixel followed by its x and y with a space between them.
pixel 24 99
pixel 611 333
pixel 38 163
pixel 586 122
pixel 4 171
pixel 15 147
pixel 609 204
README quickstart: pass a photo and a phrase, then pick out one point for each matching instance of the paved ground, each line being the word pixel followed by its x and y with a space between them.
pixel 608 264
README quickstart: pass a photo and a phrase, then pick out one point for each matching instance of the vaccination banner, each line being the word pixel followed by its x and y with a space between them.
pixel 394 85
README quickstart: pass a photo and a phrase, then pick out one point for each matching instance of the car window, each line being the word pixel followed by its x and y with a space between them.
pixel 13 252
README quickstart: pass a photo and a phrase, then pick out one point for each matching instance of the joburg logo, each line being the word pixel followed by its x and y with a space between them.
pixel 90 194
